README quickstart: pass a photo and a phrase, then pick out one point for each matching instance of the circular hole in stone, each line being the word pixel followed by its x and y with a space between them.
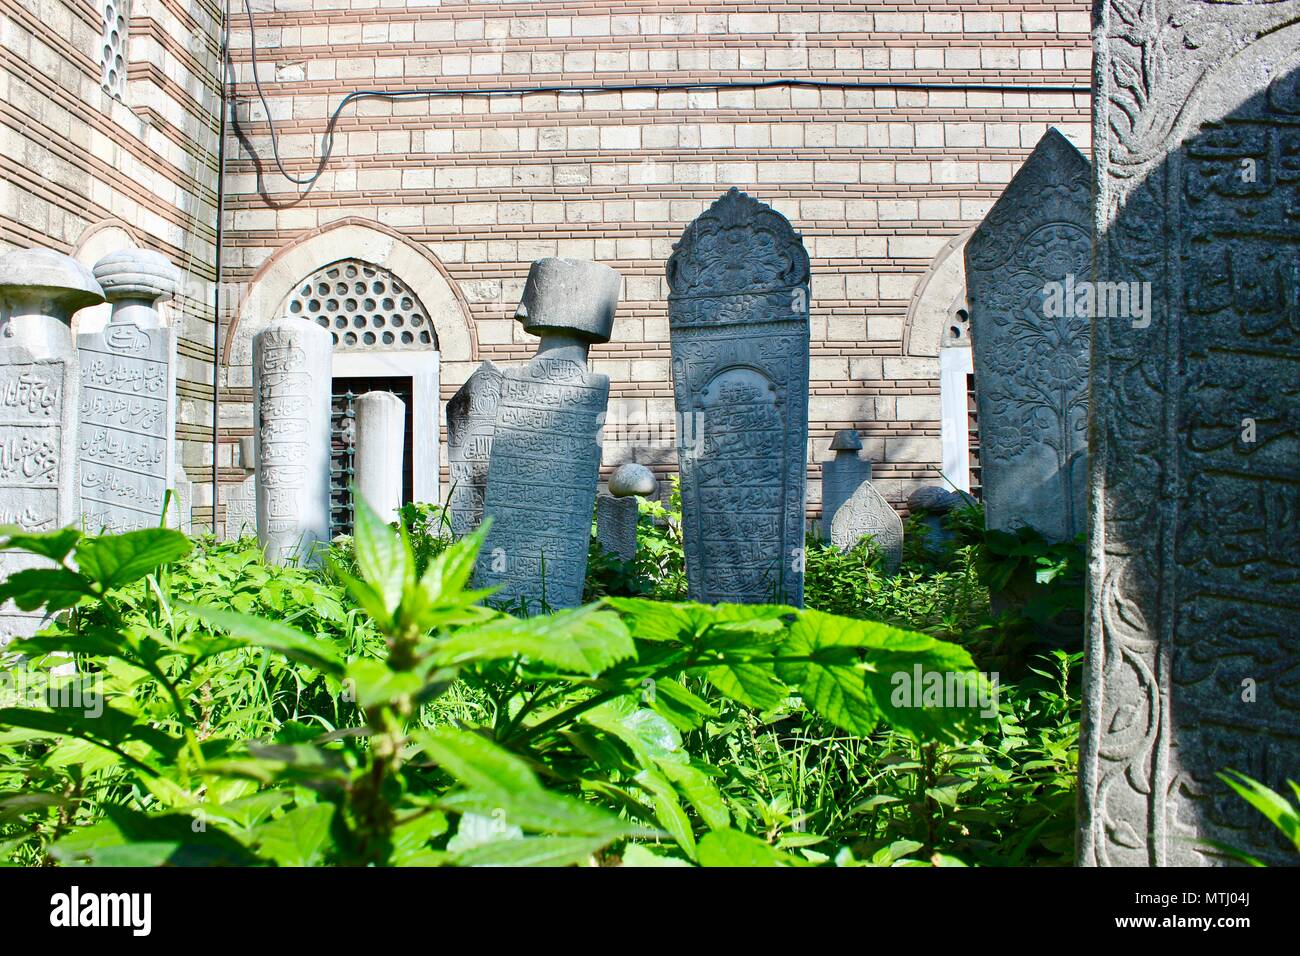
pixel 417 319
pixel 336 338
pixel 323 320
pixel 407 303
pixel 399 320
pixel 108 53
pixel 114 38
pixel 295 306
pixel 425 338
pixel 388 304
pixel 378 321
pixel 370 305
pixel 313 306
pixel 359 288
pixel 332 305
pixel 340 322
pixel 358 321
pixel 349 338
pixel 112 77
pixel 368 338
pixel 350 305
pixel 407 338
pixel 377 288
pixel 350 272
pixel 341 288
pixel 387 338
pixel 322 288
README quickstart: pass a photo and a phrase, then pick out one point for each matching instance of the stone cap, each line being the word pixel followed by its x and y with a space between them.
pixel 846 439
pixel 570 295
pixel 937 500
pixel 28 273
pixel 137 274
pixel 633 479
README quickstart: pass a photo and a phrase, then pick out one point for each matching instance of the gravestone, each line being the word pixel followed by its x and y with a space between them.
pixel 127 427
pixel 241 499
pixel 291 421
pixel 841 475
pixel 545 449
pixel 471 420
pixel 1024 265
pixel 616 512
pixel 378 456
pixel 39 398
pixel 1192 659
pixel 867 514
pixel 738 321
pixel 931 505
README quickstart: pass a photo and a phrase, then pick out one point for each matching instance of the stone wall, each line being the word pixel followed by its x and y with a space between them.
pixel 86 171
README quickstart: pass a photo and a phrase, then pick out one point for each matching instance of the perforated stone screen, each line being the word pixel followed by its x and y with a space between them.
pixel 365 307
pixel 112 55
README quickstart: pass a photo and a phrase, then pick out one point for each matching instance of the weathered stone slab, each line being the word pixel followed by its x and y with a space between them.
pixel 738 320
pixel 127 438
pixel 867 514
pixel 291 418
pixel 1192 656
pixel 39 388
pixel 378 456
pixel 1024 265
pixel 616 513
pixel 545 459
pixel 471 422
pixel 842 475
pixel 240 515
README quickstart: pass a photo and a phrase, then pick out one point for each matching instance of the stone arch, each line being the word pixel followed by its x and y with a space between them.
pixel 277 287
pixel 271 286
pixel 938 326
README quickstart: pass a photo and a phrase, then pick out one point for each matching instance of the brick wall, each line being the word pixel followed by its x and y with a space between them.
pixel 85 173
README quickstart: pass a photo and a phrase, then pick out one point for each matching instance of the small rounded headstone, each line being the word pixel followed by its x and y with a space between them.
pixel 137 274
pixel 931 498
pixel 570 295
pixel 632 479
pixel 26 273
pixel 846 439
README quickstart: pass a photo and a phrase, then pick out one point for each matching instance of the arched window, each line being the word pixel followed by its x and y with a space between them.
pixel 384 340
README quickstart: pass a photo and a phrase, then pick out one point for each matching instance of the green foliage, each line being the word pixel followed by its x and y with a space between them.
pixel 1274 807
pixel 379 712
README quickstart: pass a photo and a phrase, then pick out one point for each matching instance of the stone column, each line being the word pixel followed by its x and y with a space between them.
pixel 616 512
pixel 127 446
pixel 291 418
pixel 842 475
pixel 39 398
pixel 545 461
pixel 378 455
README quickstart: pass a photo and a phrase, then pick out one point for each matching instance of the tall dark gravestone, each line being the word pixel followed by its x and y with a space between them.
pixel 738 320
pixel 1193 653
pixel 545 464
pixel 1027 271
pixel 471 422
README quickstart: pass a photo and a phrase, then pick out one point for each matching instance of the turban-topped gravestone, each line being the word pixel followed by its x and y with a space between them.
pixel 1192 661
pixel 616 512
pixel 738 322
pixel 39 399
pixel 127 438
pixel 842 475
pixel 545 460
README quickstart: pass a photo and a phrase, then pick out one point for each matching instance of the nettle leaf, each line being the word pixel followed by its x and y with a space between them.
pixel 862 672
pixel 635 854
pixel 298 838
pixel 103 727
pixel 128 837
pixel 754 685
pixel 116 560
pixel 668 809
pixel 685 623
pixel 375 683
pixel 383 557
pixel 532 851
pixel 260 632
pixel 585 640
pixel 55 589
pixel 55 545
pixel 650 737
pixel 733 848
